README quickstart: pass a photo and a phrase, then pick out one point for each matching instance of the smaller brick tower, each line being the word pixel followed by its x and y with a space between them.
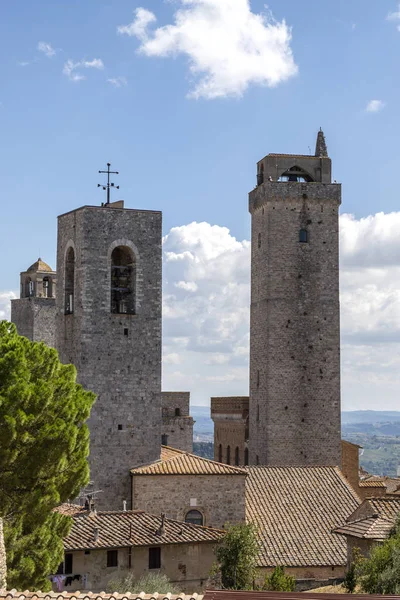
pixel 231 429
pixel 294 318
pixel 109 326
pixel 34 312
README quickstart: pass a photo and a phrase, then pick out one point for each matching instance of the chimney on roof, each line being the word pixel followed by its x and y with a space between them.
pixel 320 148
pixel 161 530
pixel 96 533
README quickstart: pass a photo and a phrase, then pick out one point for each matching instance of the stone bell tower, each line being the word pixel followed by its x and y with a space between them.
pixel 294 407
pixel 108 325
pixel 34 312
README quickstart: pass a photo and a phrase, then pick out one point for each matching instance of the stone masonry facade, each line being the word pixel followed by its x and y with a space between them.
pixel 117 355
pixel 219 498
pixel 231 429
pixel 294 323
pixel 177 424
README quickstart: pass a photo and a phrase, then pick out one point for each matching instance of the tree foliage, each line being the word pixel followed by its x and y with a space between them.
pixel 236 555
pixel 278 581
pixel 151 583
pixel 44 443
pixel 380 573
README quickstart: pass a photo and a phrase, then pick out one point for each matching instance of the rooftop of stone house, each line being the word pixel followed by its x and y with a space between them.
pixel 373 520
pixel 296 509
pixel 122 529
pixel 27 595
pixel 39 266
pixel 308 595
pixel 178 462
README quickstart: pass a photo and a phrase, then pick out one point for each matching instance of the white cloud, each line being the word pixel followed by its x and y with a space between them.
pixel 47 49
pixel 5 304
pixel 118 81
pixel 395 16
pixel 23 63
pixel 375 106
pixel 228 46
pixel 70 68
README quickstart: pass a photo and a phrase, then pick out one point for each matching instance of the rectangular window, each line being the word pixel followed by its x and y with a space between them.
pixel 154 558
pixel 68 564
pixel 112 558
pixel 303 236
pixel 164 439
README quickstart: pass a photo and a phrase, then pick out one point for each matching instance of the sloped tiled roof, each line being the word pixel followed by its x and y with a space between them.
pixel 295 509
pixel 375 483
pixel 379 517
pixel 14 595
pixel 41 266
pixel 70 510
pixel 177 462
pixel 121 529
pixel 307 595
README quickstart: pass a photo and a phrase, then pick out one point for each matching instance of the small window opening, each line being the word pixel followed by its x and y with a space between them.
pixel 164 439
pixel 112 558
pixel 31 288
pixel 257 460
pixel 260 174
pixel 126 331
pixel 228 455
pixel 246 456
pixel 303 236
pixel 119 427
pixel 87 551
pixel 258 412
pixel 154 558
pixel 47 287
pixel 258 378
pixel 194 517
pixel 259 240
pixel 69 281
pixel 177 412
pixel 237 456
pixel 220 453
pixel 123 280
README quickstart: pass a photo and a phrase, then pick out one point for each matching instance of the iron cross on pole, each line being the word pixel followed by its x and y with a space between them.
pixel 109 185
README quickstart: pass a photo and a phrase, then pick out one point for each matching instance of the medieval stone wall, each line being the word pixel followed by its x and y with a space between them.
pixel 117 356
pixel 177 424
pixel 3 563
pixel 219 498
pixel 35 318
pixel 230 416
pixel 294 328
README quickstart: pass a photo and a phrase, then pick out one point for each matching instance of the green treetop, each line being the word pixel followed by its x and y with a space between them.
pixel 44 444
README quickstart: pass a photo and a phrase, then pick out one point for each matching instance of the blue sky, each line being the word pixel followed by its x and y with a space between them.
pixel 193 158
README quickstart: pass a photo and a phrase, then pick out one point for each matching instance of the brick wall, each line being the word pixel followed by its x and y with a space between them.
pixel 220 498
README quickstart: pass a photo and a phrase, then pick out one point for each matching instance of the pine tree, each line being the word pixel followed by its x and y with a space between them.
pixel 44 444
pixel 237 556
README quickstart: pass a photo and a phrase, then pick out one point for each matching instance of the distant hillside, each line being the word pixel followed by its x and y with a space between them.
pixel 378 432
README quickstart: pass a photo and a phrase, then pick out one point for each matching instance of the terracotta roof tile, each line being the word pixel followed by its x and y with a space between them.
pixel 307 595
pixel 122 529
pixel 177 462
pixel 379 517
pixel 296 509
pixel 13 594
pixel 375 483
pixel 70 510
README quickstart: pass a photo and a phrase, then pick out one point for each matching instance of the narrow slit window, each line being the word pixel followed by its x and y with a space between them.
pixel 259 240
pixel 237 456
pixel 303 236
pixel 228 455
pixel 70 282
pixel 220 453
pixel 246 456
pixel 164 439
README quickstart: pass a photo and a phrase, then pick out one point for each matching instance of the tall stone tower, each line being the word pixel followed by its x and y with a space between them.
pixel 34 312
pixel 294 331
pixel 109 326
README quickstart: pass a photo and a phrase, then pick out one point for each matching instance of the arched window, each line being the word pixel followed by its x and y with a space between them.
pixel 177 412
pixel 237 456
pixel 296 174
pixel 220 453
pixel 195 517
pixel 303 236
pixel 228 455
pixel 47 291
pixel 69 281
pixel 123 280
pixel 29 287
pixel 246 456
